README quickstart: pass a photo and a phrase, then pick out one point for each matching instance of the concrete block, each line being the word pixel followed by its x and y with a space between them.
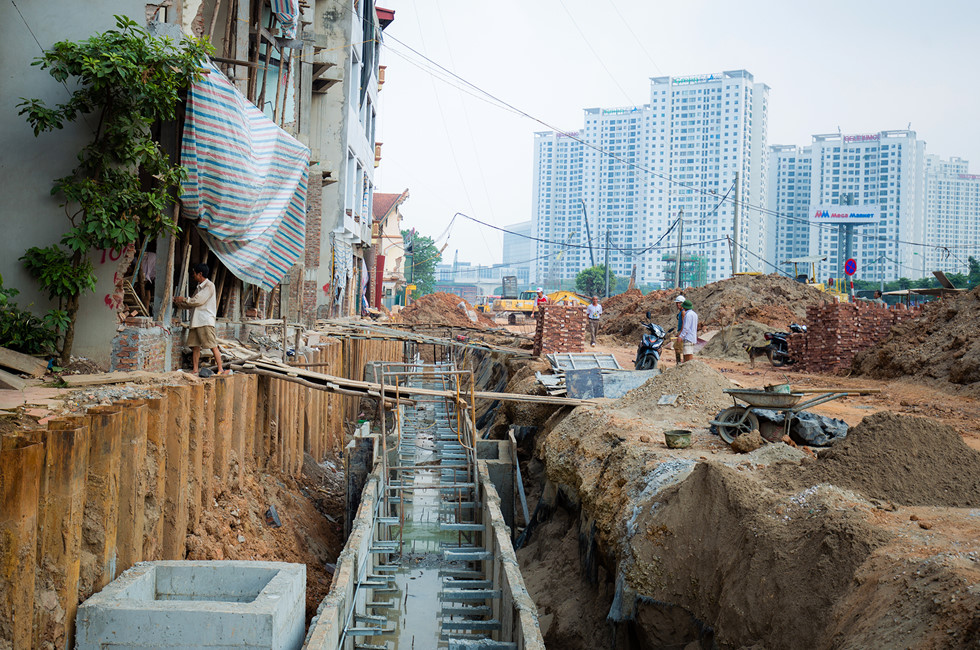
pixel 178 604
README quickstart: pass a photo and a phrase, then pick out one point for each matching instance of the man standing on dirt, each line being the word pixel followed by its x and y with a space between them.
pixel 540 301
pixel 205 305
pixel 594 311
pixel 689 332
pixel 678 343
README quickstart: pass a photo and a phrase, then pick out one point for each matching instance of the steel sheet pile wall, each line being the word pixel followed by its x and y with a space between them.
pixel 93 494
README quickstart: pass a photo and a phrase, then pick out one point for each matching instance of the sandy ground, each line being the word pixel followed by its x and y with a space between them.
pixel 902 396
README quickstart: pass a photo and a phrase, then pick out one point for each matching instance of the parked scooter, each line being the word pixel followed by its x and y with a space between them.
pixel 648 351
pixel 780 345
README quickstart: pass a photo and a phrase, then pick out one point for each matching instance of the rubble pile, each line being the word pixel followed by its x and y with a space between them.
pixel 839 331
pixel 443 309
pixel 560 328
pixel 940 344
pixel 772 300
pixel 729 343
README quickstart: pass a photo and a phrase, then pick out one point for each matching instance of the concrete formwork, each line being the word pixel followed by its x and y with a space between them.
pixel 189 605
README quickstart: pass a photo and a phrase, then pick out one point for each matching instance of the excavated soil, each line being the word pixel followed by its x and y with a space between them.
pixel 773 300
pixel 759 550
pixel 235 528
pixel 729 343
pixel 442 309
pixel 899 459
pixel 941 344
pixel 699 389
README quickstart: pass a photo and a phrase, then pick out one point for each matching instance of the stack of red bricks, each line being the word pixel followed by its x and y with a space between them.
pixel 836 332
pixel 560 328
pixel 140 344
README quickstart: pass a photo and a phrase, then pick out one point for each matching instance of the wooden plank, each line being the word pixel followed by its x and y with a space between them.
pixel 22 362
pixel 12 382
pixel 116 377
pixel 324 382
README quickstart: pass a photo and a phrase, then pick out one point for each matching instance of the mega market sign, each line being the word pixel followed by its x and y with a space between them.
pixel 835 214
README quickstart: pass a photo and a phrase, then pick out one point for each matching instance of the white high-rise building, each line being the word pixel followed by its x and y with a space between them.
pixel 873 181
pixel 630 172
pixel 519 250
pixel 789 198
pixel 952 214
pixel 880 174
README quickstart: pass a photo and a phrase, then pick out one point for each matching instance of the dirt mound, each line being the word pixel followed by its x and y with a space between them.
pixel 442 309
pixel 729 343
pixel 898 458
pixel 772 300
pixel 697 385
pixel 940 344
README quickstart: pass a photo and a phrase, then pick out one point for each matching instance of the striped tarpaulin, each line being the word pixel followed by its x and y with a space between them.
pixel 246 182
pixel 286 12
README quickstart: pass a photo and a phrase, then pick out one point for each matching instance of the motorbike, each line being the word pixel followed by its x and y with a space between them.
pixel 648 351
pixel 780 345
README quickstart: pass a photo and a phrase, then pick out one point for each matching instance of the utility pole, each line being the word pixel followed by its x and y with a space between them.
pixel 588 235
pixel 736 226
pixel 680 242
pixel 607 261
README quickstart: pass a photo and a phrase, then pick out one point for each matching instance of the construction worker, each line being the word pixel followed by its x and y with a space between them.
pixel 204 302
pixel 678 343
pixel 689 334
pixel 593 312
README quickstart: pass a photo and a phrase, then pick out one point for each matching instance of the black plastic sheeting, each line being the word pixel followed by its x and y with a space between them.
pixel 807 428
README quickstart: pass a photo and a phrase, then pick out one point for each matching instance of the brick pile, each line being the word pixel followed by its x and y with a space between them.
pixel 140 344
pixel 560 328
pixel 836 332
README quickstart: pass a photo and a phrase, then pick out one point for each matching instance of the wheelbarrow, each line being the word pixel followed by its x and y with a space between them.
pixel 734 421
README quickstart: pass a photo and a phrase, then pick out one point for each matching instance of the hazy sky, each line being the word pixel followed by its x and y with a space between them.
pixel 862 65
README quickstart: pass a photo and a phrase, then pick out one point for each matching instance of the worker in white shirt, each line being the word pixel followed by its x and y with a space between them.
pixel 594 311
pixel 205 305
pixel 689 334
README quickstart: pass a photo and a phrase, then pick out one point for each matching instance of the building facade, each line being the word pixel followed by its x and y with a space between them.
pixel 952 214
pixel 869 184
pixel 519 250
pixel 629 173
pixel 789 199
pixel 388 249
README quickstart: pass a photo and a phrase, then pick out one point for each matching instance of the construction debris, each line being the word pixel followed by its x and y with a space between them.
pixel 443 309
pixel 22 363
pixel 940 344
pixel 772 300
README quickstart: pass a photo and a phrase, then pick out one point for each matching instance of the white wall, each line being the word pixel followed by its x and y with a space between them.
pixel 30 216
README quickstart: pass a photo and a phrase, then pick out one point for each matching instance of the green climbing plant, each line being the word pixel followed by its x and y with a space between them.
pixel 126 82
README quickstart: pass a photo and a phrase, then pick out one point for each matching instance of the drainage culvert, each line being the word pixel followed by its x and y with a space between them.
pixel 429 562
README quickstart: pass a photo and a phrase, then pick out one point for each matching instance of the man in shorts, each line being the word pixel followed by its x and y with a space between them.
pixel 678 343
pixel 205 305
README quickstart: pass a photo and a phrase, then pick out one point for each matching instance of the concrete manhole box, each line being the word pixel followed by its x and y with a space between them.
pixel 187 604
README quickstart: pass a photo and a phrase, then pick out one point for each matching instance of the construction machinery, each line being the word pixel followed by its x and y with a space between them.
pixel 525 304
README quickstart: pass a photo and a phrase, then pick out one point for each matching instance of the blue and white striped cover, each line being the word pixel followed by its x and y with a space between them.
pixel 246 182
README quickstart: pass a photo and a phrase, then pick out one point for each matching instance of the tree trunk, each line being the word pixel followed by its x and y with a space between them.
pixel 72 310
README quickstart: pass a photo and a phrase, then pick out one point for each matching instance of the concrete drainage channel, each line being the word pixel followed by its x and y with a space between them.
pixel 429 562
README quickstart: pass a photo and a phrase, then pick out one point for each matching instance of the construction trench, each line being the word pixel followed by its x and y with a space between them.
pixel 620 542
